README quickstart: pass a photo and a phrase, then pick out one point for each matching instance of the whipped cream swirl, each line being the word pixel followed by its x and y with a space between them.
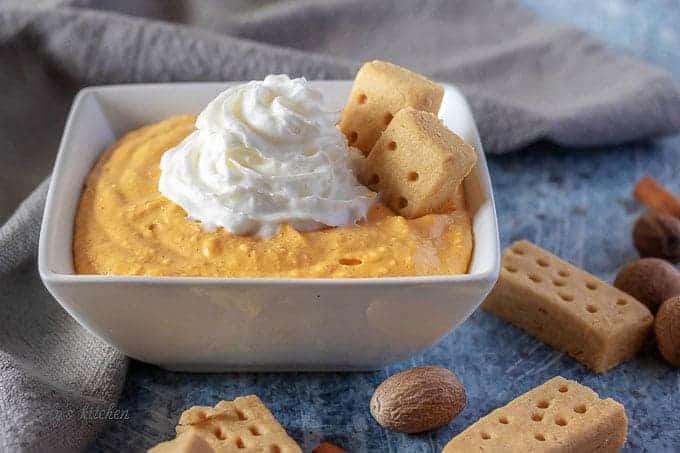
pixel 266 153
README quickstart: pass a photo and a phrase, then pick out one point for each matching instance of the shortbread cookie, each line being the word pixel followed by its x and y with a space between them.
pixel 559 416
pixel 417 164
pixel 568 308
pixel 242 425
pixel 380 90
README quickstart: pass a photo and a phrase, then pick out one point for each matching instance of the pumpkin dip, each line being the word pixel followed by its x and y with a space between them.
pixel 124 226
pixel 261 183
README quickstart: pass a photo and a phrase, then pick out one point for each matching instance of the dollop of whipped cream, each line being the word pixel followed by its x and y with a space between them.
pixel 263 154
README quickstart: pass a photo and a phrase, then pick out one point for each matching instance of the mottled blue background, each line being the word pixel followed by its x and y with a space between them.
pixel 576 203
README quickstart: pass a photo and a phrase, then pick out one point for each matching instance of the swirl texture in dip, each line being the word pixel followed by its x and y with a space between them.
pixel 264 154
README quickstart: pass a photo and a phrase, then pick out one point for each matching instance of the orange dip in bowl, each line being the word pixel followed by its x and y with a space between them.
pixel 124 226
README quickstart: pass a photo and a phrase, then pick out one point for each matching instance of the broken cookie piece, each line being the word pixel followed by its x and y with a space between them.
pixel 379 91
pixel 417 164
pixel 244 425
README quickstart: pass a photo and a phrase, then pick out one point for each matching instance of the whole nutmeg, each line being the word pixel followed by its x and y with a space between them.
pixel 656 234
pixel 418 399
pixel 649 280
pixel 667 330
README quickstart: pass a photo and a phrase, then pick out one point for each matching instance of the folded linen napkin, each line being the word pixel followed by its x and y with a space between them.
pixel 526 80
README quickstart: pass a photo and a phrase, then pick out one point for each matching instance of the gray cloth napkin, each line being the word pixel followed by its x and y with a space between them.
pixel 526 80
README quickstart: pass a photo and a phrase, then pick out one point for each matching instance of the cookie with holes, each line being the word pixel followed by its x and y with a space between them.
pixel 379 91
pixel 559 416
pixel 417 164
pixel 568 308
pixel 244 424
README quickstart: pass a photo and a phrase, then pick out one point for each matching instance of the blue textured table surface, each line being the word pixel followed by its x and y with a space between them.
pixel 576 203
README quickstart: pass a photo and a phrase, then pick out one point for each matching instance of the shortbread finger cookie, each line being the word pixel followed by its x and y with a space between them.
pixel 559 416
pixel 242 425
pixel 417 164
pixel 379 91
pixel 568 308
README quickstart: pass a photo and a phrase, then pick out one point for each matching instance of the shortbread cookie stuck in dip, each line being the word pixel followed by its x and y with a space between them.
pixel 261 185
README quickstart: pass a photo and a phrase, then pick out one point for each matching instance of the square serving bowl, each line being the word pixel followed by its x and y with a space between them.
pixel 273 324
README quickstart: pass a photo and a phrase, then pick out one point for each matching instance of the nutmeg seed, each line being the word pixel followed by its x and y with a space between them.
pixel 418 399
pixel 649 280
pixel 656 234
pixel 667 330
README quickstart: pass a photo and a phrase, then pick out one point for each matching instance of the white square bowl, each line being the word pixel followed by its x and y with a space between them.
pixel 273 324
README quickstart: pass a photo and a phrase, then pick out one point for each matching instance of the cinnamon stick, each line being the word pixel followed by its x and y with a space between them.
pixel 655 196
